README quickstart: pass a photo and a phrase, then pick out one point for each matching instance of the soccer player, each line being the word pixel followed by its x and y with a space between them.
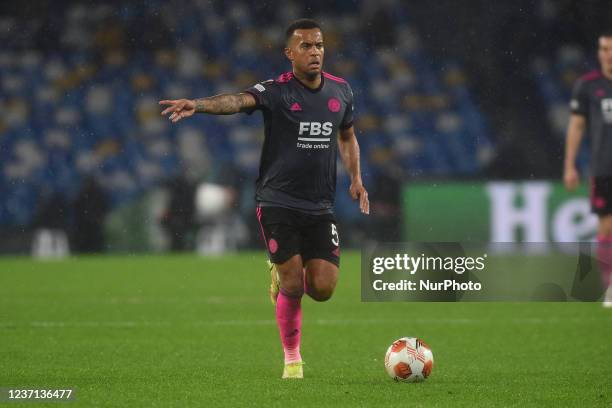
pixel 591 111
pixel 303 111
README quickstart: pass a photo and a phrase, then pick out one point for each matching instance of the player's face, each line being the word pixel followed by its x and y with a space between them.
pixel 305 51
pixel 605 53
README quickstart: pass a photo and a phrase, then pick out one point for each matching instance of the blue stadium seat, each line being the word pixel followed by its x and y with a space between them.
pixel 124 143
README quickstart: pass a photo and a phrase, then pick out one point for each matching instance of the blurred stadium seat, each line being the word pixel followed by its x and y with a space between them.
pixel 90 107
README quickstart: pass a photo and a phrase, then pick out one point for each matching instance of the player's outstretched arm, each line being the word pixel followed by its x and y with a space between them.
pixel 575 131
pixel 349 152
pixel 224 104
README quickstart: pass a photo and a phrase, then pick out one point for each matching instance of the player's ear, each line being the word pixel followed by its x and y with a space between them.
pixel 289 53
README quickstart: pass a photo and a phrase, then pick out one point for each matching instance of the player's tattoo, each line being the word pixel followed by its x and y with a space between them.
pixel 225 104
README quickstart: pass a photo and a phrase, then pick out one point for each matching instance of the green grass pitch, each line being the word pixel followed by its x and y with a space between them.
pixel 182 331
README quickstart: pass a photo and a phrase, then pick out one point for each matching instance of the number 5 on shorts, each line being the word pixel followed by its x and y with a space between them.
pixel 335 238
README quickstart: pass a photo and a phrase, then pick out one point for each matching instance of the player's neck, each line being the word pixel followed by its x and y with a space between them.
pixel 310 82
pixel 607 74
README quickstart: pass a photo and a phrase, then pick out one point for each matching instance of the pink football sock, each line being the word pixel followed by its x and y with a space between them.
pixel 604 258
pixel 289 319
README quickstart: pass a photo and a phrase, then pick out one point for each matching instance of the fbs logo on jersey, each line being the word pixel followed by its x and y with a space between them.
pixel 316 128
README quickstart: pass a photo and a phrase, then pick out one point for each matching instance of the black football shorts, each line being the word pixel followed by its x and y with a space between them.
pixel 601 195
pixel 289 232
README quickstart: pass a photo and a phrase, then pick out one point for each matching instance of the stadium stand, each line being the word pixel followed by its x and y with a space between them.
pixel 80 98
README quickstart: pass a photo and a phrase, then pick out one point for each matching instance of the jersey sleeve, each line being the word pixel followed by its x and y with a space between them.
pixel 579 103
pixel 265 94
pixel 347 119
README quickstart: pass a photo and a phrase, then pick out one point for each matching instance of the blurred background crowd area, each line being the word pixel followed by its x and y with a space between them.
pixel 443 91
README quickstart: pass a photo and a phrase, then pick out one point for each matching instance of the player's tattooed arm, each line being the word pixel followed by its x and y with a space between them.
pixel 225 104
pixel 349 153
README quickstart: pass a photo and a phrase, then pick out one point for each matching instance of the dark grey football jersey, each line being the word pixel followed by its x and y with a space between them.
pixel 592 98
pixel 298 160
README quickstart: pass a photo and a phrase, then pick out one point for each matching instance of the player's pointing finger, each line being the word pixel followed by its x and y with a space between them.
pixel 178 108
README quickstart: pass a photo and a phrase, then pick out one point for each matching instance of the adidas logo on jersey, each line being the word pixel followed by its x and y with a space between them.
pixel 316 128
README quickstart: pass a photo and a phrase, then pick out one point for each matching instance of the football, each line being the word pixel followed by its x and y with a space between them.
pixel 409 360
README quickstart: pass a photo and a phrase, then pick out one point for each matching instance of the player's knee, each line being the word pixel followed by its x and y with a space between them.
pixel 605 227
pixel 292 286
pixel 292 283
pixel 321 294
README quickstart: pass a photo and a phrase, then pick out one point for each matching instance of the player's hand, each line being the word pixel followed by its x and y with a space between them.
pixel 571 179
pixel 358 191
pixel 178 108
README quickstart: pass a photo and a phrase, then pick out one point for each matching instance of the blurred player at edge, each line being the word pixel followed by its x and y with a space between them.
pixel 591 111
pixel 303 110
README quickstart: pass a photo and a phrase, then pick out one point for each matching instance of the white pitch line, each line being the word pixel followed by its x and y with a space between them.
pixel 272 322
